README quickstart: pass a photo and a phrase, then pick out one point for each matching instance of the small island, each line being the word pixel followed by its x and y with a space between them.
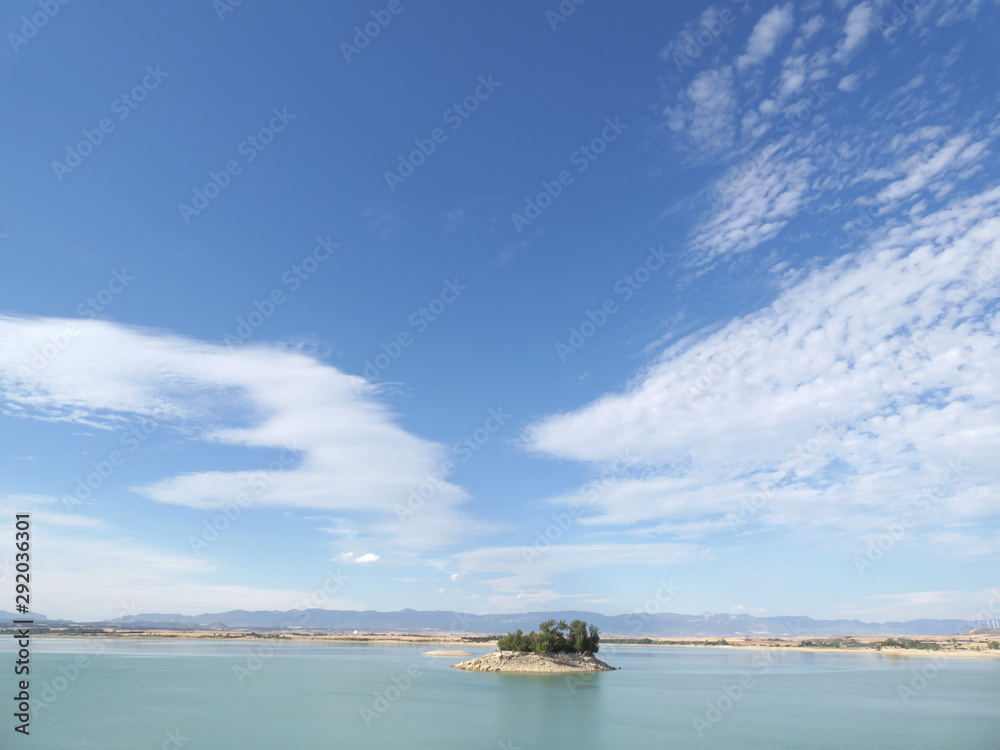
pixel 556 647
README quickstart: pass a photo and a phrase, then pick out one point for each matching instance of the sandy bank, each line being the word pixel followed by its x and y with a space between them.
pixel 523 661
pixel 442 652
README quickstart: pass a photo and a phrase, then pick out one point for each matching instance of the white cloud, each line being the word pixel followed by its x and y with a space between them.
pixel 704 114
pixel 688 45
pixel 860 22
pixel 366 559
pixel 849 83
pixel 897 347
pixel 755 200
pixel 808 30
pixel 47 511
pixel 764 39
pixel 336 446
pixel 921 168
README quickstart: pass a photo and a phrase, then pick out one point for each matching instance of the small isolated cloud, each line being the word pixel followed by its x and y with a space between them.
pixel 384 225
pixel 849 83
pixel 739 608
pixel 766 35
pixel 366 559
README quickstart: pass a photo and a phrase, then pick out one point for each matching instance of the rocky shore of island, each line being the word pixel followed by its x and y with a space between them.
pixel 527 661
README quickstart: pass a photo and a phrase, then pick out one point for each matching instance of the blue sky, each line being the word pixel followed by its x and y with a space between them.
pixel 502 307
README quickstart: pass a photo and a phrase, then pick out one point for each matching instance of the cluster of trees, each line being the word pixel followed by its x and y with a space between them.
pixel 834 643
pixel 554 637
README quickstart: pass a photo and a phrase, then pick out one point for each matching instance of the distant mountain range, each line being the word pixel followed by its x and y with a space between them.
pixel 7 617
pixel 662 625
pixel 642 624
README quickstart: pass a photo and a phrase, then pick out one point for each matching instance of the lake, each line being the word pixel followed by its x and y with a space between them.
pixel 111 694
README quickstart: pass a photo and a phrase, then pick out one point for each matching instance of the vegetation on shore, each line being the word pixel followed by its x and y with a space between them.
pixel 908 643
pixel 554 637
pixel 878 645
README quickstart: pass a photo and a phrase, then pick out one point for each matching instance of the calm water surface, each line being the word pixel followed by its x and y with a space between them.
pixel 131 695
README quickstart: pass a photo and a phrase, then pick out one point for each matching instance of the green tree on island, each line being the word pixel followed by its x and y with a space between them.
pixel 554 637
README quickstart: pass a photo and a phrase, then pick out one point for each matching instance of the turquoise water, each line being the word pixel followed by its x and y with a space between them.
pixel 130 695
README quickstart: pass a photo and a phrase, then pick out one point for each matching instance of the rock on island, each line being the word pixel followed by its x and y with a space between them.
pixel 526 661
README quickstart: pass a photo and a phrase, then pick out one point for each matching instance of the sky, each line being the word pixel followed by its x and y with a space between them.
pixel 502 307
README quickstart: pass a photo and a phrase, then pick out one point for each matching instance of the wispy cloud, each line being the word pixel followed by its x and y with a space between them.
pixel 895 347
pixel 769 31
pixel 341 447
pixel 859 24
pixel 705 113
